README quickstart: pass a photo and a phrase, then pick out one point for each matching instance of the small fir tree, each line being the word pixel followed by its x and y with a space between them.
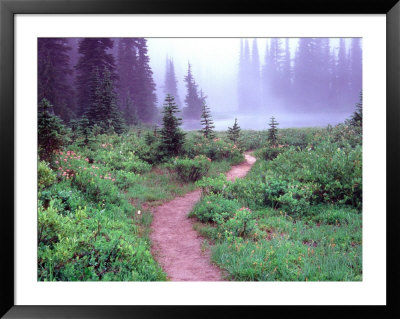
pixel 207 122
pixel 149 138
pixel 273 132
pixel 356 119
pixel 234 132
pixel 171 136
pixel 51 131
pixel 156 132
pixel 84 129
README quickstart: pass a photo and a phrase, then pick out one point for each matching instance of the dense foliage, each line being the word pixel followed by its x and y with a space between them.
pixel 296 215
pixel 92 197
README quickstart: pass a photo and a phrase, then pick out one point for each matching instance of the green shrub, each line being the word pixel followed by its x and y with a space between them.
pixel 213 185
pixel 89 246
pixel 215 208
pixel 269 153
pixel 191 170
pixel 46 176
pixel 241 224
pixel 216 149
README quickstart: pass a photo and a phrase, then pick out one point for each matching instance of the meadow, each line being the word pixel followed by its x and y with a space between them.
pixel 95 198
pixel 297 215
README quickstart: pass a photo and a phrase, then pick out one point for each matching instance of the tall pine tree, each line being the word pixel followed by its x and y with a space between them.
pixel 355 67
pixel 103 110
pixel 54 72
pixel 144 96
pixel 192 100
pixel 170 83
pixel 93 56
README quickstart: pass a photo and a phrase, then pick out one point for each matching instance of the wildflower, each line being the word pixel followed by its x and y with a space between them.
pixel 65 159
pixel 60 168
pixel 113 179
pixel 56 162
pixel 138 212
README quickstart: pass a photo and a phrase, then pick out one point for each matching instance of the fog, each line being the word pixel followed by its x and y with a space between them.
pixel 327 97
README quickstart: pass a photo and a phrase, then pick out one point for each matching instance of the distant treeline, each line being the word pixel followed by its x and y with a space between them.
pixel 109 81
pixel 315 79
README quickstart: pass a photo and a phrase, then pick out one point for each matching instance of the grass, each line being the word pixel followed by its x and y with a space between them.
pixel 161 185
pixel 295 250
pixel 301 215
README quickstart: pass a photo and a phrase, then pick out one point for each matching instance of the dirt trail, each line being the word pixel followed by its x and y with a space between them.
pixel 176 246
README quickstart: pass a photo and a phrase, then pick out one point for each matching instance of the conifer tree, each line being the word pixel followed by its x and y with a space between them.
pixel 149 138
pixel 234 132
pixel 84 129
pixel 207 122
pixel 144 97
pixel 171 136
pixel 170 83
pixel 273 132
pixel 51 131
pixel 355 66
pixel 94 58
pixel 103 110
pixel 193 101
pixel 357 117
pixel 54 71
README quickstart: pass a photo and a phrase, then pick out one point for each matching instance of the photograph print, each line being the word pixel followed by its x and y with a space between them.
pixel 199 159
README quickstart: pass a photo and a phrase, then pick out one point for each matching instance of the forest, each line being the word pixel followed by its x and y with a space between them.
pixel 126 194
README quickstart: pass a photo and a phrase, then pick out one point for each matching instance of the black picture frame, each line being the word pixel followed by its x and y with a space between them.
pixel 8 8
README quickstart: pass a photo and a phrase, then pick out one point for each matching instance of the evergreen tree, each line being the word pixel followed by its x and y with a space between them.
pixel 207 122
pixel 171 136
pixel 53 76
pixel 273 132
pixel 93 61
pixel 245 70
pixel 355 67
pixel 303 89
pixel 343 77
pixel 170 84
pixel 254 80
pixel 144 97
pixel 149 138
pixel 51 131
pixel 127 75
pixel 241 79
pixel 266 79
pixel 156 131
pixel 103 110
pixel 130 112
pixel 234 132
pixel 357 117
pixel 193 101
pixel 84 129
pixel 286 73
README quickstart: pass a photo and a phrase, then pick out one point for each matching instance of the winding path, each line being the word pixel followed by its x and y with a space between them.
pixel 176 245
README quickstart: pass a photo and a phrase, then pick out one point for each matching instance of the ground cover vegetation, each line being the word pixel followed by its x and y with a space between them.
pixel 297 215
pixel 96 188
